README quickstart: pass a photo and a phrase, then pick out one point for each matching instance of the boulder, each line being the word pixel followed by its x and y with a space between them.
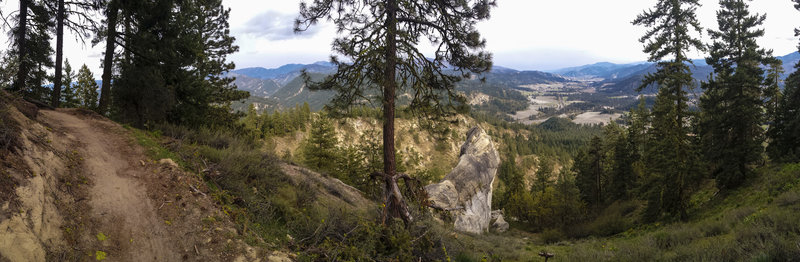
pixel 466 191
pixel 500 225
pixel 496 214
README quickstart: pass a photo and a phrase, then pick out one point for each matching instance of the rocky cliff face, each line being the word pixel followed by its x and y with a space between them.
pixel 467 190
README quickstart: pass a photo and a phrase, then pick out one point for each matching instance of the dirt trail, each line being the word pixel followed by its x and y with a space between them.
pixel 117 200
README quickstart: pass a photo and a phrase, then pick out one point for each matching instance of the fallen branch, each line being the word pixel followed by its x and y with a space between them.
pixel 197 191
pixel 162 204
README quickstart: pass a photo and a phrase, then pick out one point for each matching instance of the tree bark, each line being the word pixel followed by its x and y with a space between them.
pixel 108 61
pixel 394 203
pixel 22 71
pixel 56 97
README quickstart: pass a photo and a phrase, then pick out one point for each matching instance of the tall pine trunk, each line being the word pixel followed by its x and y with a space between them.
pixel 393 197
pixel 108 61
pixel 56 97
pixel 22 71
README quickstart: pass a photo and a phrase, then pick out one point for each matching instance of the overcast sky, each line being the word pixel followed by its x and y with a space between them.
pixel 522 34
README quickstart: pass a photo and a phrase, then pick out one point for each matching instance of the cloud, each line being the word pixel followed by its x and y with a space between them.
pixel 275 26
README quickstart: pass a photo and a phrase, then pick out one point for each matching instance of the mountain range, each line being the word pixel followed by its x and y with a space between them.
pixel 624 78
pixel 280 87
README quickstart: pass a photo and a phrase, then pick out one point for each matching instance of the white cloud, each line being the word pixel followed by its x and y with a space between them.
pixel 275 26
pixel 522 34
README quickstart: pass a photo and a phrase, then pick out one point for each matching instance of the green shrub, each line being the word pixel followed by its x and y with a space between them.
pixel 738 215
pixel 637 249
pixel 754 239
pixel 713 228
pixel 784 179
pixel 550 236
pixel 788 198
pixel 609 224
pixel 464 257
pixel 674 236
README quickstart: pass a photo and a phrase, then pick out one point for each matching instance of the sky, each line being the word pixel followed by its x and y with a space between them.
pixel 522 34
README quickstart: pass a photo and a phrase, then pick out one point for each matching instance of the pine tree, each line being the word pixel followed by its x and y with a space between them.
pixel 251 119
pixel 772 91
pixel 175 63
pixel 86 88
pixel 112 13
pixel 731 130
pixel 21 36
pixel 380 44
pixel 56 97
pixel 544 171
pixel 350 166
pixel 784 143
pixel 69 97
pixel 517 199
pixel 671 156
pixel 622 176
pixel 320 149
pixel 76 16
pixel 8 69
pixel 637 141
pixel 570 207
pixel 33 51
pixel 590 172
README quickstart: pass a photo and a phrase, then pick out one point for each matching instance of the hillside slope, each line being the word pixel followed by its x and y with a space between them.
pixel 84 190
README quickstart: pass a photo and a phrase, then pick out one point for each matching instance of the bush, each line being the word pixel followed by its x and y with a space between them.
pixel 788 198
pixel 738 215
pixel 674 236
pixel 713 228
pixel 608 225
pixel 615 219
pixel 784 179
pixel 550 236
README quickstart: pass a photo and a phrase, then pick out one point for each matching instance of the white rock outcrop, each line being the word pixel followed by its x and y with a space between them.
pixel 467 190
pixel 499 225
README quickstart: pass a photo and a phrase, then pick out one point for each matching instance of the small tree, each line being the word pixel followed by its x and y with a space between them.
pixel 570 207
pixel 69 97
pixel 772 92
pixel 86 88
pixel 544 171
pixel 319 151
pixel 784 133
pixel 381 44
pixel 590 175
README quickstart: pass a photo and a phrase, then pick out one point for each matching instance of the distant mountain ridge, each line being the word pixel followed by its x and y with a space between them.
pixel 256 86
pixel 607 71
pixel 282 87
pixel 604 70
pixel 625 78
pixel 286 73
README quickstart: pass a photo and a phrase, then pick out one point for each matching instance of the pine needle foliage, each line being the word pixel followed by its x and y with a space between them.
pixel 671 158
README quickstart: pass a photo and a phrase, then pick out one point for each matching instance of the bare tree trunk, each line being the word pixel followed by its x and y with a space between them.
pixel 56 97
pixel 394 203
pixel 22 71
pixel 108 61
